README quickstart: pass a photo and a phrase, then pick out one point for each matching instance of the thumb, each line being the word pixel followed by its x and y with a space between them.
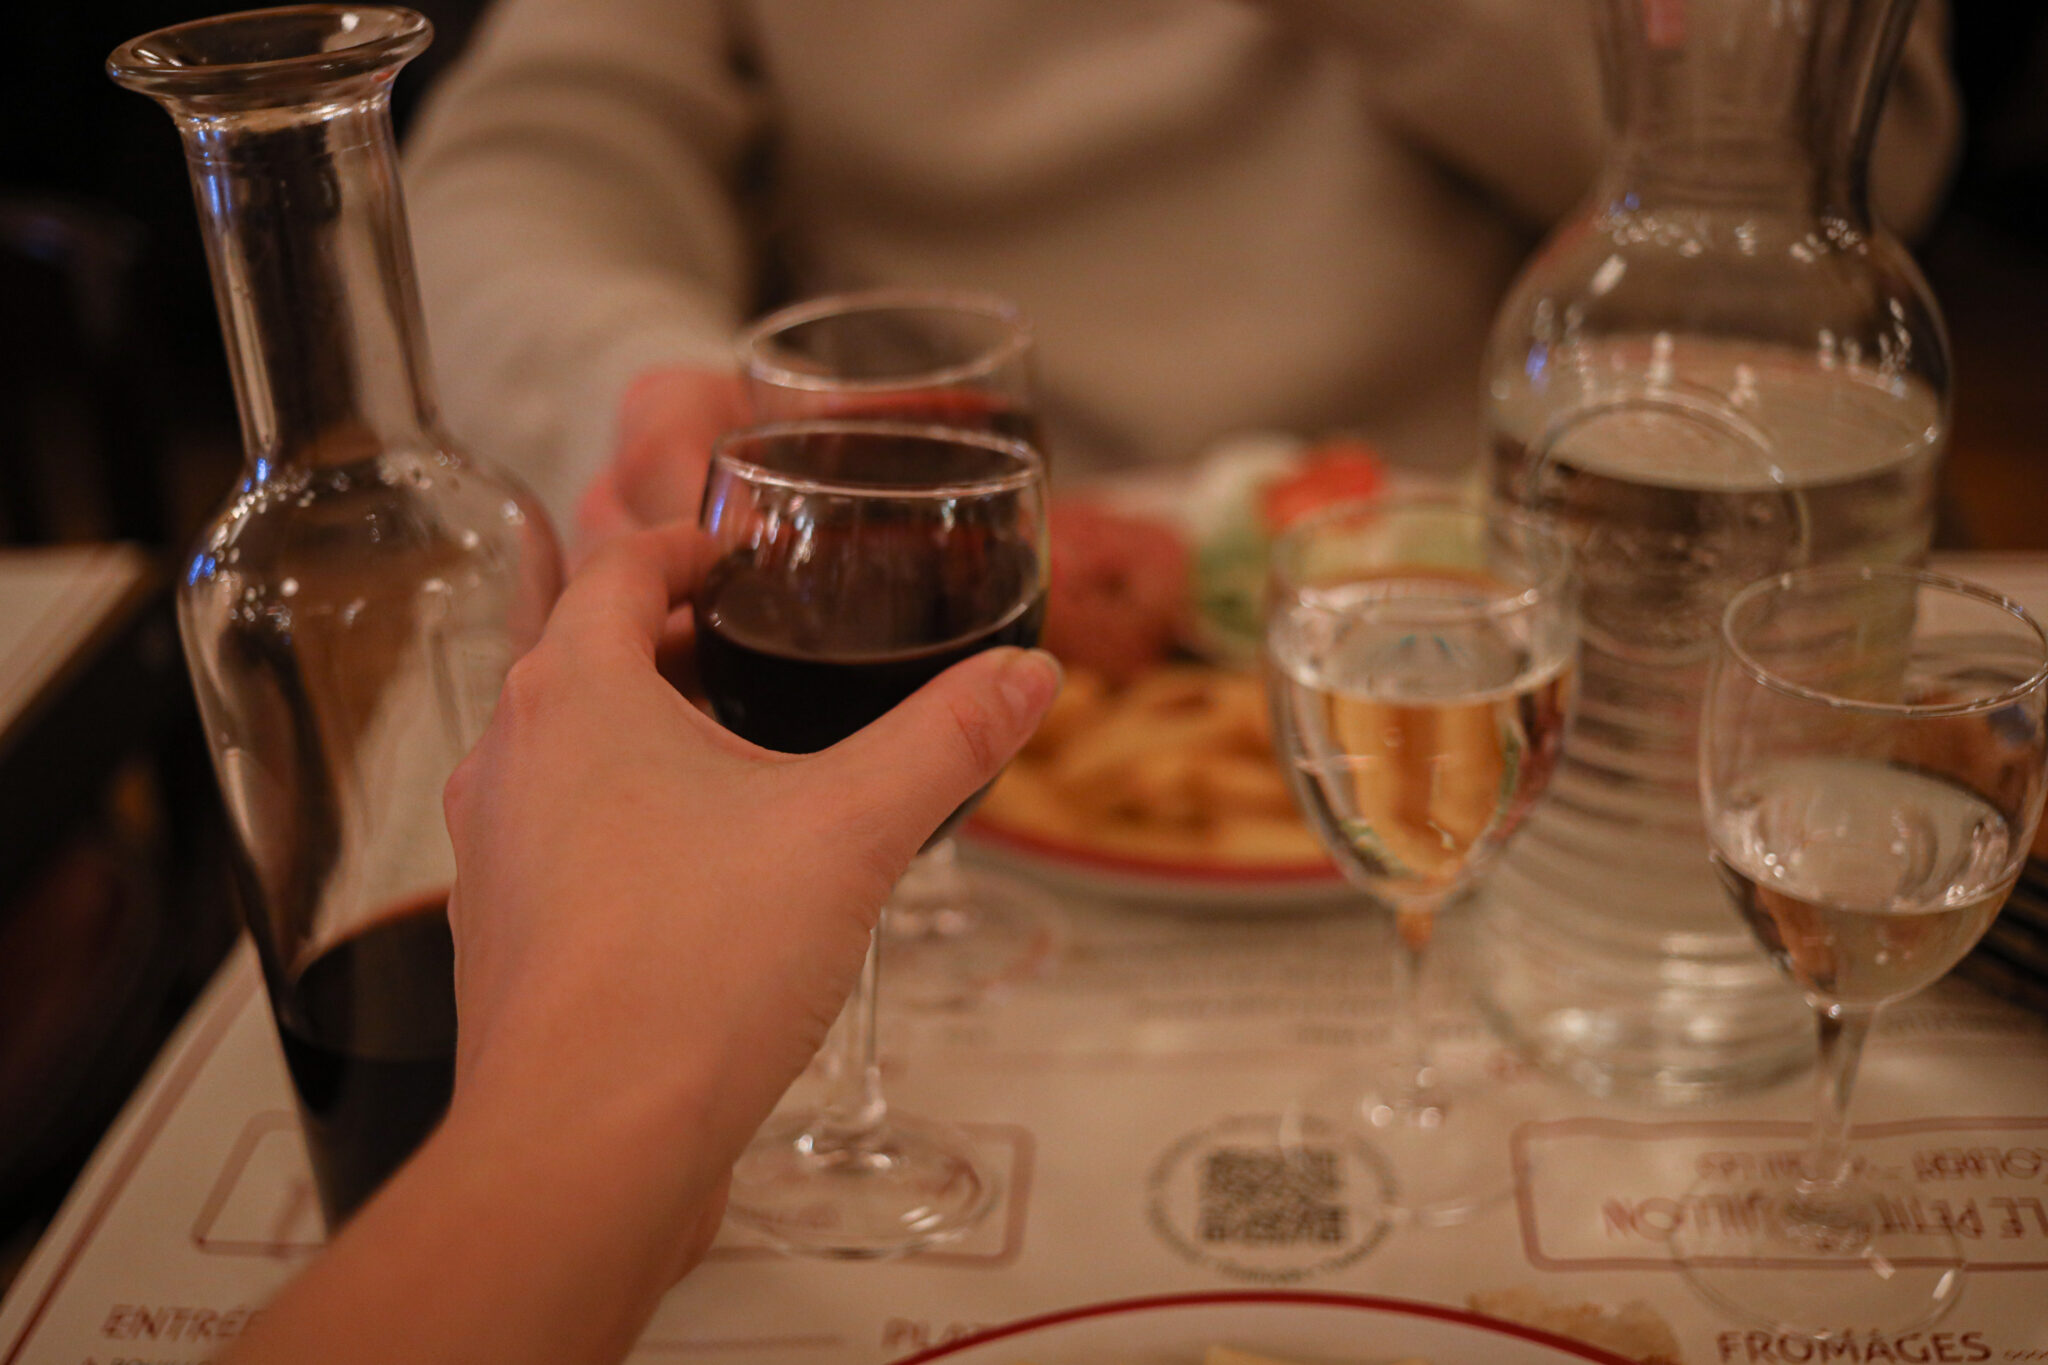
pixel 914 766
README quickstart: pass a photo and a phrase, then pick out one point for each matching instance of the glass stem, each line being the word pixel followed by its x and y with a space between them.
pixel 1419 1100
pixel 1842 1035
pixel 853 1107
pixel 931 900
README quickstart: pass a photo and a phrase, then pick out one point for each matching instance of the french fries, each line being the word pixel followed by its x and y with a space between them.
pixel 1177 767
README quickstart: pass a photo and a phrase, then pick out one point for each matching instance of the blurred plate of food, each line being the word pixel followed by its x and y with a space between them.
pixel 1244 493
pixel 1154 775
pixel 1256 1327
pixel 1164 787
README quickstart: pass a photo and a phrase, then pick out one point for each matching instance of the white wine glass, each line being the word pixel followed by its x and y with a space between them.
pixel 938 357
pixel 1420 667
pixel 1871 765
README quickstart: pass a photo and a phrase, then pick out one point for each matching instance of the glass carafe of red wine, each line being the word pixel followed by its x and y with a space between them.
pixel 351 611
pixel 1722 367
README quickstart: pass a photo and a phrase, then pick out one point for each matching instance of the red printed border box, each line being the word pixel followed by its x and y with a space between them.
pixel 1605 1194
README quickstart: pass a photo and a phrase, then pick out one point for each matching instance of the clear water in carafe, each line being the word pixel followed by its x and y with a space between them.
pixel 1681 469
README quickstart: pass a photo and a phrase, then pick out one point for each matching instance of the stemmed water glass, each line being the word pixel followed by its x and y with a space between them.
pixel 856 561
pixel 940 357
pixel 1871 763
pixel 1420 666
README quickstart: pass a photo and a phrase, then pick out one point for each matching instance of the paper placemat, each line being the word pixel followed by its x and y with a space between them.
pixel 1118 1092
pixel 1114 1093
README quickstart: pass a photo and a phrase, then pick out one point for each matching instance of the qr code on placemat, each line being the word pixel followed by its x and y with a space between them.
pixel 1270 1196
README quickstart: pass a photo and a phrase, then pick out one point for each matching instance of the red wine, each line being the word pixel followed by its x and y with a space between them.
pixel 369 1035
pixel 774 691
pixel 858 564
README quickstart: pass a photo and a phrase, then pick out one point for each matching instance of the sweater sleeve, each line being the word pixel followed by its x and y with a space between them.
pixel 572 185
pixel 1507 94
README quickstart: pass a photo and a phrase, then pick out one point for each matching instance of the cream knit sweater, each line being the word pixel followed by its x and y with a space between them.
pixel 1221 214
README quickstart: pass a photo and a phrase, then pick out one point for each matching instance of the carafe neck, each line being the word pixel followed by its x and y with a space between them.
pixel 1771 103
pixel 312 270
pixel 285 116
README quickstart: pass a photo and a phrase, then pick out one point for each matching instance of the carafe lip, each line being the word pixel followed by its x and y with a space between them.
pixel 225 55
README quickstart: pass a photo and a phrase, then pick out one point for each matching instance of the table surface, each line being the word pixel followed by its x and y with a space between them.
pixel 52 602
pixel 1156 1039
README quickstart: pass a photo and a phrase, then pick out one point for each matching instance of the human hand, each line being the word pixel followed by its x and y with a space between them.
pixel 669 419
pixel 653 917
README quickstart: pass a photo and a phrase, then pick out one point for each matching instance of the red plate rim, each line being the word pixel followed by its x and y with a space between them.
pixel 1407 1307
pixel 993 833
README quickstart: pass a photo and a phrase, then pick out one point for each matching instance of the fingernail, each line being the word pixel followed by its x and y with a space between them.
pixel 1029 681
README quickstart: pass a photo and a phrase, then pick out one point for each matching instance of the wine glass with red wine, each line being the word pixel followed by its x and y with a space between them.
pixel 936 357
pixel 855 562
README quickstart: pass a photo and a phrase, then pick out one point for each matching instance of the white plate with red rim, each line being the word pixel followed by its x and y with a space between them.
pixel 1312 1329
pixel 1208 884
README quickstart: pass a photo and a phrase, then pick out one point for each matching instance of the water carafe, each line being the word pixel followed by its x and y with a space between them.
pixel 1720 368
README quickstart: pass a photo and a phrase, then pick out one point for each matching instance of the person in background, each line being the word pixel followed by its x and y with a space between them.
pixel 1222 215
pixel 655 923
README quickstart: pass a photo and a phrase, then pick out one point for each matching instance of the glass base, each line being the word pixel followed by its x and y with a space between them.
pixel 985 933
pixel 1819 1265
pixel 906 1185
pixel 1448 1152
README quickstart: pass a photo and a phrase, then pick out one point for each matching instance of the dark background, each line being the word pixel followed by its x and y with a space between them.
pixel 116 420
pixel 116 415
pixel 92 184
